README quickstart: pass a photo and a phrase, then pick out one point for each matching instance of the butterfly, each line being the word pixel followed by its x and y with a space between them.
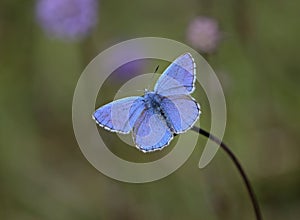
pixel 157 116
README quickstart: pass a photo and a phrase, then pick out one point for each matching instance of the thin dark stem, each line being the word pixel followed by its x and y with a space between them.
pixel 239 167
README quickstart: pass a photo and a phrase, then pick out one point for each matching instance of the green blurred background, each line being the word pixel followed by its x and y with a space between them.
pixel 43 174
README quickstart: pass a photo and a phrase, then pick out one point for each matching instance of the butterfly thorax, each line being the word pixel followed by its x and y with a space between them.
pixel 152 101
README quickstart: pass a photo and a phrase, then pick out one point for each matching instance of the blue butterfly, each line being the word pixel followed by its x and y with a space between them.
pixel 157 116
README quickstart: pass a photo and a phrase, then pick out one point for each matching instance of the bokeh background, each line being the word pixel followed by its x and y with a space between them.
pixel 43 174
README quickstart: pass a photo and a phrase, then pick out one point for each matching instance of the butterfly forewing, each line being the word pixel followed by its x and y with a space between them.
pixel 178 78
pixel 120 115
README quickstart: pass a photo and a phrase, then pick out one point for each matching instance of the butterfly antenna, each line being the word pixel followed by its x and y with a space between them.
pixel 156 69
pixel 152 78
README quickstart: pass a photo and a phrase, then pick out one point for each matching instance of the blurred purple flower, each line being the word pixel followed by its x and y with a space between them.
pixel 129 70
pixel 132 62
pixel 67 19
pixel 204 34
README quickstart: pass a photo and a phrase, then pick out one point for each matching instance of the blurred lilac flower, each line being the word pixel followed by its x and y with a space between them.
pixel 67 19
pixel 204 34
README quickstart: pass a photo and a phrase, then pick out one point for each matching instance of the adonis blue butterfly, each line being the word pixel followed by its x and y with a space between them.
pixel 160 114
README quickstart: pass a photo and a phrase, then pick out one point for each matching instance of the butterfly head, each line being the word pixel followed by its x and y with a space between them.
pixel 146 91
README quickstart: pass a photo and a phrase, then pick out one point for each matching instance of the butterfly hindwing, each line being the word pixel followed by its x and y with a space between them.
pixel 178 78
pixel 181 112
pixel 120 115
pixel 151 132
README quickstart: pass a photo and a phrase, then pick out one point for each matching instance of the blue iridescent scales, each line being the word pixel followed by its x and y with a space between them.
pixel 157 116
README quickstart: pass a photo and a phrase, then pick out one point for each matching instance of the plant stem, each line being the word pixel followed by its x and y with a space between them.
pixel 239 167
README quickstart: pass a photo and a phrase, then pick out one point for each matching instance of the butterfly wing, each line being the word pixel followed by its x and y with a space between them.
pixel 181 112
pixel 151 133
pixel 178 78
pixel 120 115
